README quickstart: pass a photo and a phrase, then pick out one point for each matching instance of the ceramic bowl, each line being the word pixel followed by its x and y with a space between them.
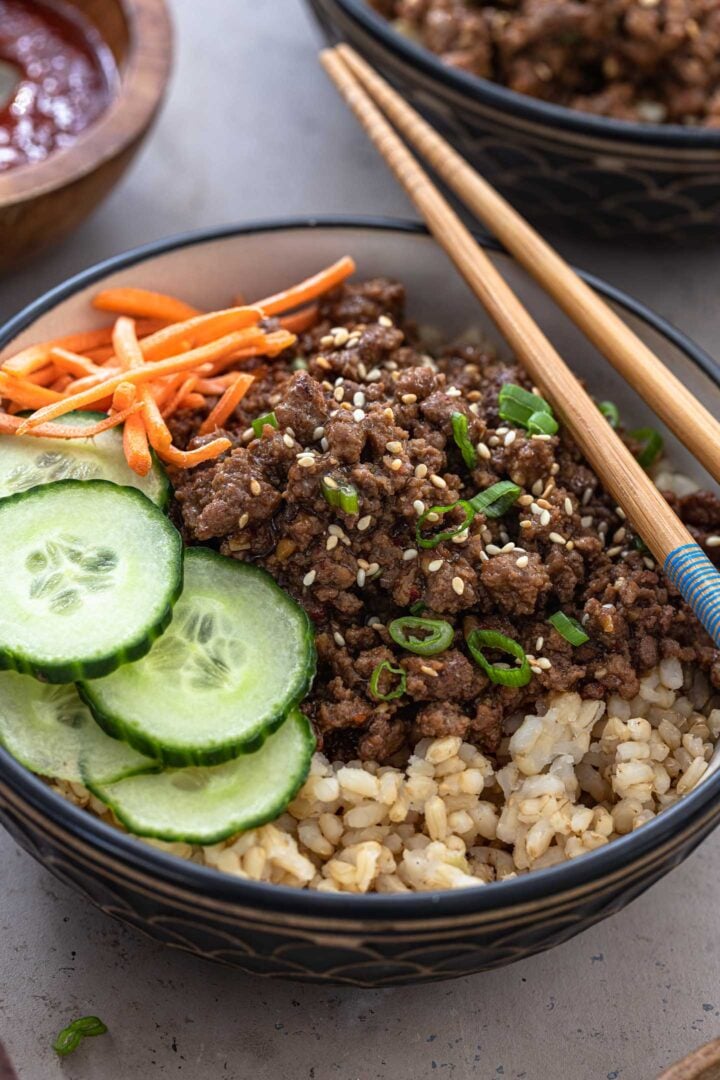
pixel 43 202
pixel 376 940
pixel 559 166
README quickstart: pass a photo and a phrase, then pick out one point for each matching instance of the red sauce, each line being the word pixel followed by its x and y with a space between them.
pixel 66 77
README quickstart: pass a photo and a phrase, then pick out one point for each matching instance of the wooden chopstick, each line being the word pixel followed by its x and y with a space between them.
pixel 672 545
pixel 666 395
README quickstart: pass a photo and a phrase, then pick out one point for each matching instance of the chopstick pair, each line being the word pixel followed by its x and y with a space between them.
pixel 682 559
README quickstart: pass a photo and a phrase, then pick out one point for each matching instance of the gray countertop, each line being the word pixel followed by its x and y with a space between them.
pixel 617 1003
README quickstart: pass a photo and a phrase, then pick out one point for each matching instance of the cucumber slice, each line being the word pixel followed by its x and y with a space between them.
pixel 50 731
pixel 238 655
pixel 26 462
pixel 203 805
pixel 88 577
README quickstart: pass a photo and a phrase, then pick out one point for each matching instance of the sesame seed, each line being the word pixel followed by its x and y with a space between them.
pixel 306 461
pixel 335 530
pixel 288 440
pixel 364 564
pixel 393 447
pixel 493 441
pixel 346 406
pixel 358 415
pixel 587 496
pixel 502 430
pixel 409 554
pixel 360 578
pixel 510 438
pixel 526 524
pixel 452 391
pixel 544 663
pixel 373 568
pixel 522 561
pixel 396 464
pixel 338 393
pixel 330 483
pixel 243 520
pixel 534 508
pixel 309 578
pixel 408 399
pixel 487 536
pixel 419 506
pixel 460 538
pixel 541 438
pixel 437 481
pixel 426 670
pixel 507 547
pixel 248 434
pixel 374 621
pixel 332 543
pixel 545 517
pixel 340 336
pixel 324 445
pixel 570 545
pixel 434 566
pixel 484 556
pixel 323 362
pixel 537 488
pixel 364 523
pixel 373 375
pixel 712 541
pixel 432 517
pixel 586 521
pixel 613 551
pixel 327 341
pixel 255 487
pixel 458 585
pixel 554 469
pixel 318 434
pixel 556 538
pixel 359 399
pixel 568 506
pixel 535 670
pixel 483 451
pixel 649 563
pixel 421 471
pixel 362 371
pixel 339 639
pixel 539 643
pixel 385 320
pixel 474 408
pixel 619 535
pixel 525 500
pixel 620 512
pixel 389 414
pixel 492 549
pixel 544 504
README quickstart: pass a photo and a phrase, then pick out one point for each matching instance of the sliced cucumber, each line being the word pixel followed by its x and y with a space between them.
pixel 203 805
pixel 50 731
pixel 26 462
pixel 88 577
pixel 238 655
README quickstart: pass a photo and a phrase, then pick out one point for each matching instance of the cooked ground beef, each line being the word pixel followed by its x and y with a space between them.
pixel 360 402
pixel 648 60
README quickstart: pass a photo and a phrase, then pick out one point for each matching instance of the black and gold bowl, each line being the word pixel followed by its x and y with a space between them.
pixel 560 166
pixel 376 940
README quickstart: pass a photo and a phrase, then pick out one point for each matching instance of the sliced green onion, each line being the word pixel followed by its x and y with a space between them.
pixel 418 607
pixel 71 1036
pixel 299 364
pixel 542 423
pixel 610 411
pixel 438 635
pixel 568 628
pixel 268 419
pixel 496 500
pixel 446 534
pixel 640 545
pixel 340 494
pixel 491 639
pixel 652 445
pixel 377 674
pixel 518 405
pixel 462 440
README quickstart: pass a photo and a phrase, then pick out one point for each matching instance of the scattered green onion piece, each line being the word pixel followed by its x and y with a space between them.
pixel 418 607
pixel 299 364
pixel 266 420
pixel 652 445
pixel 377 675
pixel 447 534
pixel 439 635
pixel 518 405
pixel 542 423
pixel 71 1036
pixel 491 639
pixel 460 434
pixel 496 500
pixel 568 628
pixel 340 494
pixel 610 411
pixel 640 545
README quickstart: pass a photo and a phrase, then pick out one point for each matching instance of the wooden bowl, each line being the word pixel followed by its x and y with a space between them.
pixel 41 203
pixel 702 1064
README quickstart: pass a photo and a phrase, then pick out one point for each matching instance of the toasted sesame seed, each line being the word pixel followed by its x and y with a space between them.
pixel 568 506
pixel 586 521
pixel 437 481
pixel 619 535
pixel 318 433
pixel 483 451
pixel 364 523
pixel 288 440
pixel 432 517
pixel 544 504
pixel 362 371
pixel 570 545
pixel 309 578
pixel 409 554
pixel 338 393
pixel 620 512
pixel 545 517
pixel 535 669
pixel 541 438
pixel 502 430
pixel 389 414
pixel 493 441
pixel 339 639
pixel 427 670
pixel 458 585
pixel 452 391
pixel 484 556
pixel 243 520
pixel 507 547
pixel 408 399
pixel 340 336
pixel 385 320
pixel 358 415
pixel 419 506
pixel 525 524
pixel 331 543
pixel 323 362
pixel 613 551
pixel 255 487
pixel 487 536
pixel 474 408
pixel 373 375
pixel 393 447
pixel 525 500
pixel 360 577
pixel 543 663
pixel 713 541
pixel 248 434
pixel 554 469
pixel 434 566
pixel 359 399
pixel 396 464
pixel 421 471
pixel 522 561
pixel 330 483
pixel 374 621
pixel 306 461
pixel 586 496
pixel 492 549
pixel 335 530
pixel 327 341
pixel 556 538
pixel 363 563
pixel 373 568
pixel 537 488
pixel 539 643
pixel 510 438
pixel 648 562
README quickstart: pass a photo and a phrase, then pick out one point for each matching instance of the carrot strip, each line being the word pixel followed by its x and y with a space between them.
pixel 126 344
pixel 309 289
pixel 135 445
pixel 178 398
pixel 43 377
pixel 101 355
pixel 192 401
pixel 226 405
pixel 9 426
pixel 124 396
pixel 272 344
pixel 164 389
pixel 201 330
pixel 73 363
pixel 36 356
pixel 185 459
pixel 28 394
pixel 301 321
pixel 61 383
pixel 143 303
pixel 147 373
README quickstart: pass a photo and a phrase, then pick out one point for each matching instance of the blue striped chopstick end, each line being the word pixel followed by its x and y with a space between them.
pixel 698 582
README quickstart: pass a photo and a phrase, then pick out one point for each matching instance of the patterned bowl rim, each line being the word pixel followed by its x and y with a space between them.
pixel 521 105
pixel 610 860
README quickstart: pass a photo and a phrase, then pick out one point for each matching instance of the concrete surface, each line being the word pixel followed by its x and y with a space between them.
pixel 618 1003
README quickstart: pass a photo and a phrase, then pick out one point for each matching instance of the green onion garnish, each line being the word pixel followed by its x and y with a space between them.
pixel 299 364
pixel 268 419
pixel 610 411
pixel 377 674
pixel 521 407
pixel 542 423
pixel 496 500
pixel 568 628
pixel 651 442
pixel 340 494
pixel 438 635
pixel 418 607
pixel 505 676
pixel 447 534
pixel 460 434
pixel 71 1036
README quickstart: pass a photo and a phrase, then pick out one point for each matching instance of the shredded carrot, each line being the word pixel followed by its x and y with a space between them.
pixel 271 345
pixel 73 363
pixel 124 396
pixel 226 405
pixel 185 459
pixel 163 389
pixel 201 330
pixel 28 394
pixel 135 445
pixel 177 400
pixel 301 321
pixel 193 401
pixel 127 348
pixel 309 289
pixel 143 303
pixel 9 426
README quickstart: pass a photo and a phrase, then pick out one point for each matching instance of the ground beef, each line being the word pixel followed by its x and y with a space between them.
pixel 359 401
pixel 642 60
